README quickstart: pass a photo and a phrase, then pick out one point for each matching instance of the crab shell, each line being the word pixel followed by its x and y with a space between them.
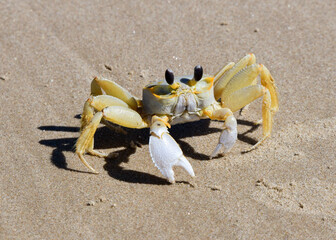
pixel 185 96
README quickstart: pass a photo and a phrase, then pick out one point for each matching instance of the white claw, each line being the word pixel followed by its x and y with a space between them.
pixel 166 153
pixel 228 137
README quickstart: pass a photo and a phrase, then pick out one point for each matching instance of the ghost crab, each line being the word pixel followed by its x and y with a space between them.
pixel 179 100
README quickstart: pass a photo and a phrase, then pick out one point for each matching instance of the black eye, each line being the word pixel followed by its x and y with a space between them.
pixel 198 73
pixel 169 75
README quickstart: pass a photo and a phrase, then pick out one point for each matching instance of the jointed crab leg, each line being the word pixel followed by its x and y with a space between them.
pixel 113 89
pixel 243 78
pixel 121 115
pixel 98 103
pixel 226 77
pixel 165 152
pixel 85 141
pixel 238 94
pixel 229 135
pixel 87 115
pixel 102 101
pixel 244 96
pixel 267 80
pixel 226 68
pixel 125 117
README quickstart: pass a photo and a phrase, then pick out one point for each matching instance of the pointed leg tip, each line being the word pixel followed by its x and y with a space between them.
pixel 86 164
pixel 246 151
pixel 94 171
pixel 98 153
pixel 255 146
pixel 258 122
pixel 252 148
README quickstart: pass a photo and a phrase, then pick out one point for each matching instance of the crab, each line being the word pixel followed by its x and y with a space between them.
pixel 179 100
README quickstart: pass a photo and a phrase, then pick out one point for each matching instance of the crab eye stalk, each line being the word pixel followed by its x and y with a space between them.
pixel 198 72
pixel 169 75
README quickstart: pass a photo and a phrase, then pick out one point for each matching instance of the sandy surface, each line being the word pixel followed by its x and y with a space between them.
pixel 50 51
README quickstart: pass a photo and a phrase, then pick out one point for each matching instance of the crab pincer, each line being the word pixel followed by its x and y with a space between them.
pixel 165 151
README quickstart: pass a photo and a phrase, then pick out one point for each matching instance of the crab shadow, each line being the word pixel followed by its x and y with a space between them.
pixel 130 140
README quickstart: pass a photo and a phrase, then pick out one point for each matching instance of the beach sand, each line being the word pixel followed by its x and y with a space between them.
pixel 50 52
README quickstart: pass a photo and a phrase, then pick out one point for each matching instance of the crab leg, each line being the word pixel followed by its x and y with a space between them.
pixel 95 88
pixel 165 151
pixel 246 95
pixel 226 68
pixel 268 81
pixel 102 101
pixel 241 90
pixel 113 89
pixel 97 103
pixel 87 115
pixel 229 135
pixel 123 116
pixel 245 77
pixel 236 99
pixel 85 140
pixel 225 78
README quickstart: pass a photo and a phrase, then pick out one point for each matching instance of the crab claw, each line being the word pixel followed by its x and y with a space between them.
pixel 165 151
pixel 228 137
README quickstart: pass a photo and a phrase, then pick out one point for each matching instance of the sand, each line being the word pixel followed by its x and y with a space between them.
pixel 51 50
